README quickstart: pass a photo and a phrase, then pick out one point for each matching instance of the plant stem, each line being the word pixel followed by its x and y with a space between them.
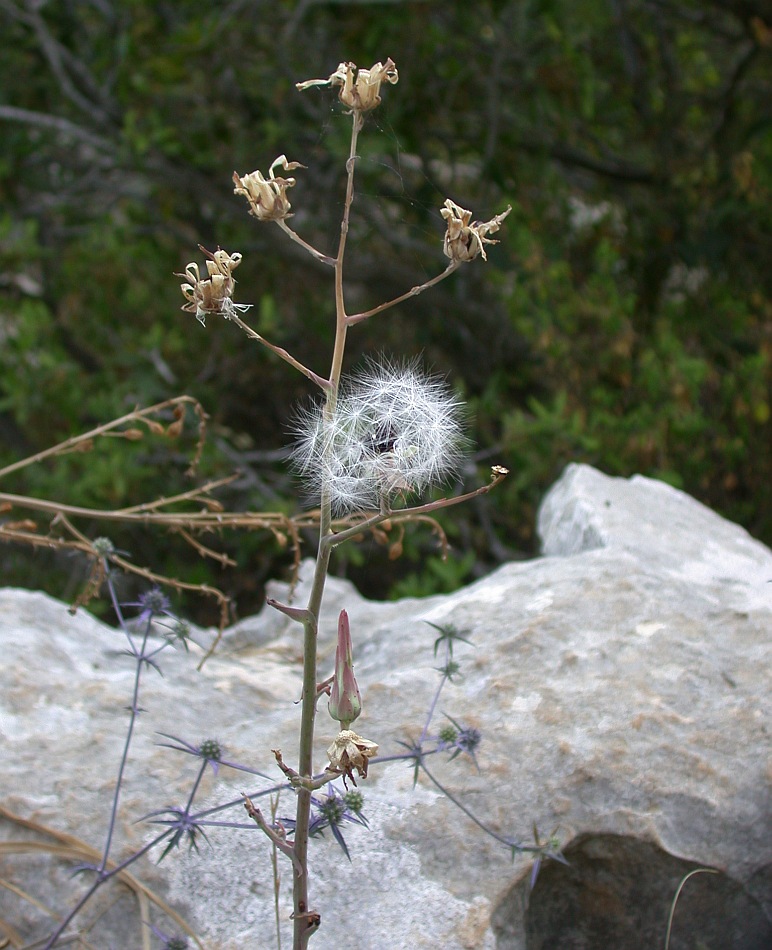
pixel 279 351
pixel 303 924
pixel 102 878
pixel 82 442
pixel 276 875
pixel 413 292
pixel 472 817
pixel 406 514
pixel 304 244
pixel 102 874
pixel 139 656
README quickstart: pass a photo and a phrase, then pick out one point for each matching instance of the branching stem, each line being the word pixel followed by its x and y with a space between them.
pixel 278 840
pixel 406 514
pixel 302 929
pixel 280 352
pixel 413 292
pixel 324 258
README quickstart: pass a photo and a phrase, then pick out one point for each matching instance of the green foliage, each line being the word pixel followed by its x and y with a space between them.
pixel 624 320
pixel 436 576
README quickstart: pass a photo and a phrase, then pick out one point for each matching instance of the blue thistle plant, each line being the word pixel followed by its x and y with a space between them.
pixel 332 811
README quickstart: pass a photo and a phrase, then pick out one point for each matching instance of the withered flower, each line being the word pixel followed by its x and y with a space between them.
pixel 212 294
pixel 464 238
pixel 360 88
pixel 350 752
pixel 267 197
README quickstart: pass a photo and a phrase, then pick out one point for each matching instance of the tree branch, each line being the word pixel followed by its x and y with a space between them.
pixel 63 126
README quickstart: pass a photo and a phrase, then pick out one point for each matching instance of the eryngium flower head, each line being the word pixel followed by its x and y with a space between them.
pixel 394 431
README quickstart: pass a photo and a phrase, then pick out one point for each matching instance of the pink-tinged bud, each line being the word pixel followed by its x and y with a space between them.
pixel 345 702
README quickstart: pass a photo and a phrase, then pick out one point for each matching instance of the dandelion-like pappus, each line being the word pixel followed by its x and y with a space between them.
pixel 394 431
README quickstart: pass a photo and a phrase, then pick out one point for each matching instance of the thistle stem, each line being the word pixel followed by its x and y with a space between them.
pixel 134 712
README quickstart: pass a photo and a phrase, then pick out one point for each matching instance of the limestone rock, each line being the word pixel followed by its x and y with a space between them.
pixel 621 686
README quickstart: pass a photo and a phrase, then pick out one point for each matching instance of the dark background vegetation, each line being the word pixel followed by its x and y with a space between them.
pixel 624 320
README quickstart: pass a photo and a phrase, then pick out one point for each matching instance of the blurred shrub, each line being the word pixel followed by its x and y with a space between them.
pixel 624 320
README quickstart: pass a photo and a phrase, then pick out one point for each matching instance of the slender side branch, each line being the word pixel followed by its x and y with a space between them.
pixel 206 552
pixel 472 817
pixel 413 292
pixel 82 442
pixel 309 783
pixel 298 614
pixel 293 235
pixel 194 493
pixel 279 351
pixel 319 781
pixel 198 520
pixel 278 840
pixel 405 514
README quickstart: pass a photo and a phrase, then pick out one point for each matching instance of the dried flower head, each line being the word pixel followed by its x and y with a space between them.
pixel 212 294
pixel 267 197
pixel 464 238
pixel 349 753
pixel 359 88
pixel 394 430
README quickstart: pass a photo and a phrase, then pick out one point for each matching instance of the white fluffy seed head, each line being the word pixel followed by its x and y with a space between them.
pixel 394 431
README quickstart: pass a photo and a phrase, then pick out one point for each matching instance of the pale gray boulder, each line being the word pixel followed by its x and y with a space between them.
pixel 621 686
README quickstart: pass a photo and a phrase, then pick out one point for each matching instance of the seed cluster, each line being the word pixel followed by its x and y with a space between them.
pixel 394 431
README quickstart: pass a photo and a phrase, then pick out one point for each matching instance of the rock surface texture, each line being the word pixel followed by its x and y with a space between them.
pixel 621 683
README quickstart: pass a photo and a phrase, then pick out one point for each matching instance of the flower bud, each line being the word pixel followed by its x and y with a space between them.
pixel 267 197
pixel 345 702
pixel 360 88
pixel 464 238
